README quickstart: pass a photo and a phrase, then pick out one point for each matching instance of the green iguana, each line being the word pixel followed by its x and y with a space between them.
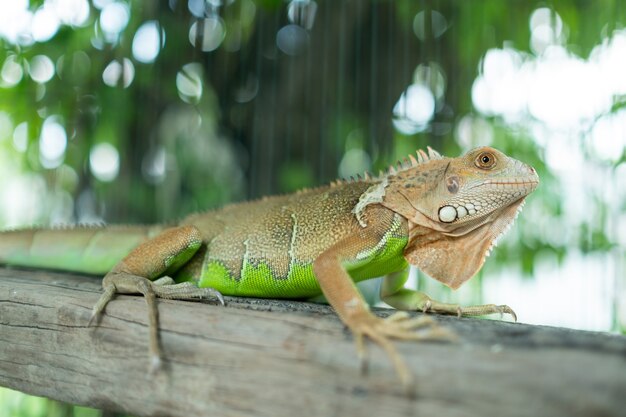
pixel 440 214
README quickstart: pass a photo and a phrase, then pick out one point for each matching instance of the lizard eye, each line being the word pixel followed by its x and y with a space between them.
pixel 485 160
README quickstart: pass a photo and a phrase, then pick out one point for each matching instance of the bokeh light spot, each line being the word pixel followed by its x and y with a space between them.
pixel 148 41
pixel 20 137
pixel 546 29
pixel 414 109
pixel 473 131
pixel 565 90
pixel 207 34
pixel 354 162
pixel 189 82
pixel 610 60
pixel 196 7
pixel 71 12
pixel 154 164
pixel 41 69
pixel 431 75
pixel 100 4
pixel 292 39
pixel 608 136
pixel 116 71
pixel 45 24
pixel 16 21
pixel 438 25
pixel 501 89
pixel 22 197
pixel 104 162
pixel 52 143
pixel 6 125
pixel 302 12
pixel 114 18
pixel 12 72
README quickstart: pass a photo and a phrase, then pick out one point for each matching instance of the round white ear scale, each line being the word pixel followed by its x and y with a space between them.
pixel 447 214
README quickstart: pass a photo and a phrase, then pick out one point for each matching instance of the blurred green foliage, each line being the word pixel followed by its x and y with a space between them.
pixel 245 98
pixel 17 404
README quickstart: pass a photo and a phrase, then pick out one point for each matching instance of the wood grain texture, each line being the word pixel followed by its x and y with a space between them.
pixel 277 358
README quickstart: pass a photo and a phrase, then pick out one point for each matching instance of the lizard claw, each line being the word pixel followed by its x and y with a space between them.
pixel 361 353
pixel 94 318
pixel 508 310
pixel 207 293
pixel 155 364
pixel 399 326
pixel 215 293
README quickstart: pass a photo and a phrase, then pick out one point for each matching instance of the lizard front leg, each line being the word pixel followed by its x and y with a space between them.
pixel 157 257
pixel 345 298
pixel 392 292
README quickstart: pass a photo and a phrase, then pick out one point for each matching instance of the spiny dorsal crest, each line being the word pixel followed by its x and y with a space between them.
pixel 406 163
pixel 412 162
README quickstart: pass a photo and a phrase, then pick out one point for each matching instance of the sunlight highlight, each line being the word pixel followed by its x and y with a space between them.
pixel 45 23
pixel 114 19
pixel 148 41
pixel 556 88
pixel 12 72
pixel 189 82
pixel 414 109
pixel 116 73
pixel 104 162
pixel 207 34
pixel 20 137
pixel 21 26
pixel 41 69
pixel 52 143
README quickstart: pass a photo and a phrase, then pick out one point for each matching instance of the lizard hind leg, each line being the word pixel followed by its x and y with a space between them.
pixel 164 287
pixel 153 260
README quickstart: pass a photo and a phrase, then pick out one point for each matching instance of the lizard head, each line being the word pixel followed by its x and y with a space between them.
pixel 457 208
pixel 467 191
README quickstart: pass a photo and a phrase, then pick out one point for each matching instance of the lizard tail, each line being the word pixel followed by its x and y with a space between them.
pixel 86 249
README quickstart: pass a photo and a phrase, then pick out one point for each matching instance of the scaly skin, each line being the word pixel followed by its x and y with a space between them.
pixel 441 214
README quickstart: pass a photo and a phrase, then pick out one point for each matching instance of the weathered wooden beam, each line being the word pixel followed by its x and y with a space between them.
pixel 275 358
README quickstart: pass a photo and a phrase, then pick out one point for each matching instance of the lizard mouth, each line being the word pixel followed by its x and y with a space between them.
pixel 530 183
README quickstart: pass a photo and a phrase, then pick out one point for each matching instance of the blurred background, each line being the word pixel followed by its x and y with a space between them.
pixel 144 111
